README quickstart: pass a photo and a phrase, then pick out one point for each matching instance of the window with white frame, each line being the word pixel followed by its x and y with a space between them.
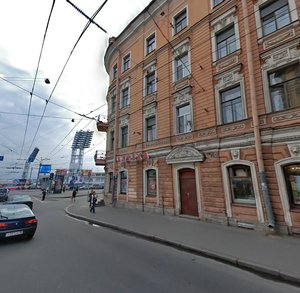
pixel 180 21
pixel 113 102
pixel 150 44
pixel 241 184
pixel 274 15
pixel 123 182
pixel 150 83
pixel 232 105
pixel 181 65
pixel 184 118
pixel 124 136
pixel 111 182
pixel 126 62
pixel 124 97
pixel 150 128
pixel 112 140
pixel 226 42
pixel 114 72
pixel 292 180
pixel 151 184
pixel 284 87
pixel 225 34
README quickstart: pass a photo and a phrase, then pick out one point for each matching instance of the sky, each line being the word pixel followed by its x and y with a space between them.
pixel 75 90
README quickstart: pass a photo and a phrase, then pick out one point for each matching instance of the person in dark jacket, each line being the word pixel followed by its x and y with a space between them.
pixel 44 194
pixel 93 203
pixel 74 193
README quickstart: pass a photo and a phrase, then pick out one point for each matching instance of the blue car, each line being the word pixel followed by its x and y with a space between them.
pixel 17 220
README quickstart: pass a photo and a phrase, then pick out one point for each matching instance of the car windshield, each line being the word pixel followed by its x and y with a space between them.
pixel 15 212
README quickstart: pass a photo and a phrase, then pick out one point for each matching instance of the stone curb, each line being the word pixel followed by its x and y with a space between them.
pixel 227 259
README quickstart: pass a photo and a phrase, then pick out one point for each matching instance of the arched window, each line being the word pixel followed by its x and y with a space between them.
pixel 292 179
pixel 123 182
pixel 241 185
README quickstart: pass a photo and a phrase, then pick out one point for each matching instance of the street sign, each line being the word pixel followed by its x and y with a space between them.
pixel 1 158
pixel 45 168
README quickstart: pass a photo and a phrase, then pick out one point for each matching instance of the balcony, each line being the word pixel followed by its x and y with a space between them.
pixel 99 158
pixel 102 126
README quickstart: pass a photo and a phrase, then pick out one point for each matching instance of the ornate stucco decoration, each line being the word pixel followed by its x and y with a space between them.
pixel 294 150
pixel 185 154
pixel 235 154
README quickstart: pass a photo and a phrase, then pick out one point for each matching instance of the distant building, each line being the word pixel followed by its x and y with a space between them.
pixel 204 112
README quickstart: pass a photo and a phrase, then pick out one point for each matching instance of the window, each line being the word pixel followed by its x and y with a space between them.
pixel 124 137
pixel 125 97
pixel 150 83
pixel 181 66
pixel 292 179
pixel 111 182
pixel 226 42
pixel 150 128
pixel 217 2
pixel 284 87
pixel 151 183
pixel 112 140
pixel 113 102
pixel 123 182
pixel 241 184
pixel 115 71
pixel 184 121
pixel 232 105
pixel 274 16
pixel 126 62
pixel 150 44
pixel 180 21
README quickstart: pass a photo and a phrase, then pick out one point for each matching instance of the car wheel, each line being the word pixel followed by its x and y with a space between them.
pixel 30 236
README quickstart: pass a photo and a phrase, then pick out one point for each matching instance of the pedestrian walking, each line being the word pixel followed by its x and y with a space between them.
pixel 44 194
pixel 90 196
pixel 93 200
pixel 74 193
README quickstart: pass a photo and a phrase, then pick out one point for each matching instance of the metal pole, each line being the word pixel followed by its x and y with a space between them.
pixel 257 136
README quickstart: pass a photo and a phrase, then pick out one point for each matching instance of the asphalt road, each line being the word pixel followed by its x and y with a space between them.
pixel 67 255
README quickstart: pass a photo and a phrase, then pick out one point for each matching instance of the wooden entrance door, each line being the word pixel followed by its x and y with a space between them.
pixel 188 193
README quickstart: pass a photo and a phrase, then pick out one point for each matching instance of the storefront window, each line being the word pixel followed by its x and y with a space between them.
pixel 292 177
pixel 241 184
pixel 151 183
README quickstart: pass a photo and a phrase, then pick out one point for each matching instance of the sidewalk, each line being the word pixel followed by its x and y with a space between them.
pixel 275 256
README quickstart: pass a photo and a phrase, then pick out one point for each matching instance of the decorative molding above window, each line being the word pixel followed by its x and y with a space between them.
pixel 235 154
pixel 224 20
pixel 184 155
pixel 294 150
pixel 124 121
pixel 229 78
pixel 149 110
pixel 182 97
pixel 281 56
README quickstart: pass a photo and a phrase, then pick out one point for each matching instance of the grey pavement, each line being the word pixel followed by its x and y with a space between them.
pixel 271 255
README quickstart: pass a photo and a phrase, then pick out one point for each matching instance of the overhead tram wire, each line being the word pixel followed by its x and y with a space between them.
pixel 63 69
pixel 53 103
pixel 35 77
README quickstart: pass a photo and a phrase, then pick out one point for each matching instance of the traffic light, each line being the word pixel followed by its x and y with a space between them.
pixel 51 176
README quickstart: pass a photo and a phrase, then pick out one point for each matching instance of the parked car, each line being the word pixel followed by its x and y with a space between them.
pixel 20 199
pixel 3 194
pixel 98 186
pixel 17 220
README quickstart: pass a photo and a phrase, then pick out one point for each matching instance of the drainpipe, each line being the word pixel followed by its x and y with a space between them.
pixel 257 137
pixel 116 131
